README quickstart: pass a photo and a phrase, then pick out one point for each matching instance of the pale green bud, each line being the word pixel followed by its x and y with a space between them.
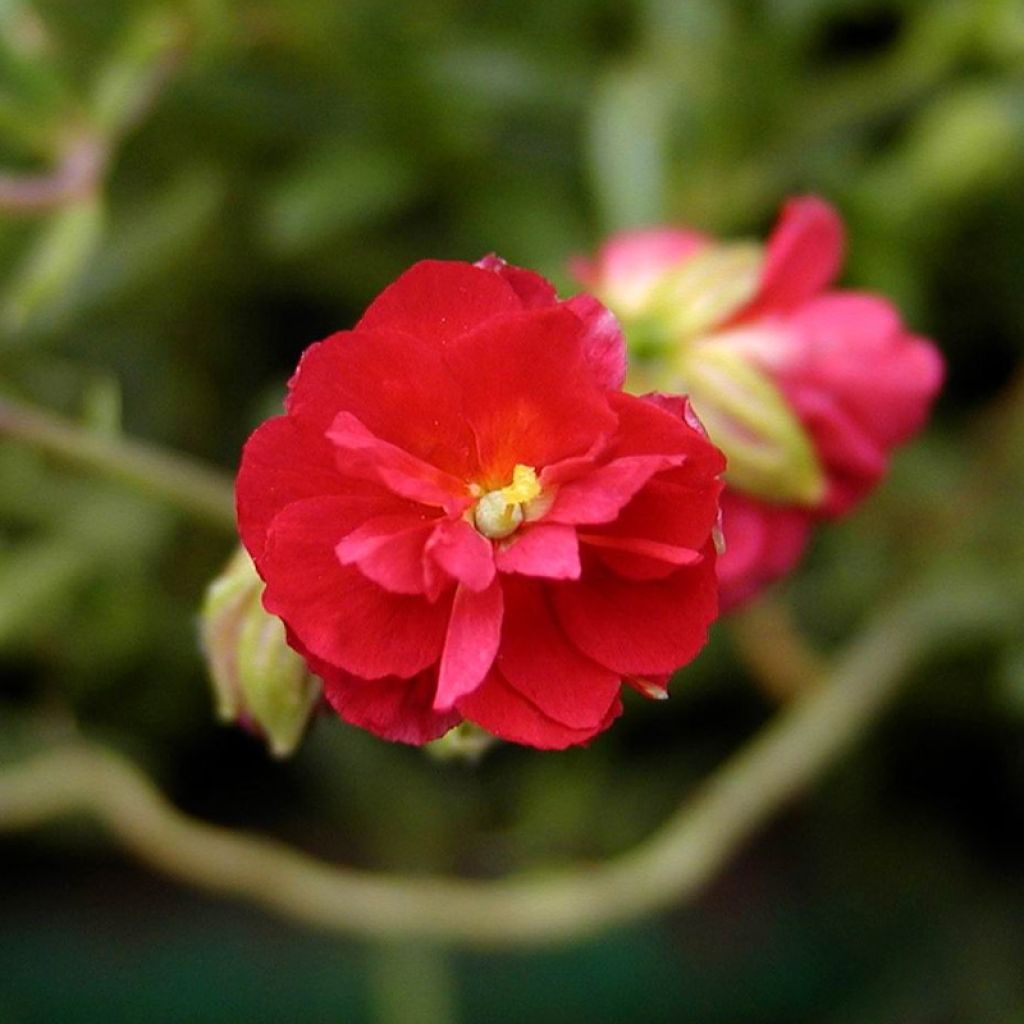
pixel 769 452
pixel 258 680
pixel 466 742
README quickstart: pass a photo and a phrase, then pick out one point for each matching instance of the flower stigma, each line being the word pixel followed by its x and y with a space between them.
pixel 499 513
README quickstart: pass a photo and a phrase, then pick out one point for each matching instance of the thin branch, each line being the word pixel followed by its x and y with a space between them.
pixel 201 491
pixel 77 175
pixel 672 865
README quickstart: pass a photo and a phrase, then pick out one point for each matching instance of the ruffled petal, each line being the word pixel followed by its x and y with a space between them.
pixel 528 393
pixel 396 385
pixel 394 709
pixel 548 550
pixel 462 553
pixel 471 644
pixel 763 542
pixel 282 464
pixel 338 615
pixel 438 300
pixel 639 558
pixel 390 551
pixel 537 659
pixel 500 709
pixel 362 454
pixel 638 628
pixel 804 254
pixel 599 496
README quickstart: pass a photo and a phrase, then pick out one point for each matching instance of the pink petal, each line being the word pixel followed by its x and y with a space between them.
pixel 361 454
pixel 528 393
pixel 462 553
pixel 545 549
pixel 537 659
pixel 337 614
pixel 390 551
pixel 632 263
pixel 502 710
pixel 804 254
pixel 763 542
pixel 438 301
pixel 396 385
pixel 637 628
pixel 471 644
pixel 394 709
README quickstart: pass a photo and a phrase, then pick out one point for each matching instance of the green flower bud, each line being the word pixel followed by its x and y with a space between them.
pixel 466 742
pixel 258 680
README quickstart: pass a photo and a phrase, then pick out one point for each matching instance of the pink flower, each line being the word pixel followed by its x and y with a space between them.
pixel 462 516
pixel 806 389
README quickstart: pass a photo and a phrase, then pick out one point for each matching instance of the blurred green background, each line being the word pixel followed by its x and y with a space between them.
pixel 261 170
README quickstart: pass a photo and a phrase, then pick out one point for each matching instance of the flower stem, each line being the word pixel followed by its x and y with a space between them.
pixel 202 492
pixel 671 865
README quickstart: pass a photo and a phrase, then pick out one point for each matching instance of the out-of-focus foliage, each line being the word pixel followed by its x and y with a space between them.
pixel 261 170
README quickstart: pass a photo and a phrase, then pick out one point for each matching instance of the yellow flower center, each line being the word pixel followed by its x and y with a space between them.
pixel 499 513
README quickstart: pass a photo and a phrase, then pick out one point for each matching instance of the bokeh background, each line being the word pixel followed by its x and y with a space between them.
pixel 260 171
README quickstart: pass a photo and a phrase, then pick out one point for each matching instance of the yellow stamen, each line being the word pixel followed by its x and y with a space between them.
pixel 498 513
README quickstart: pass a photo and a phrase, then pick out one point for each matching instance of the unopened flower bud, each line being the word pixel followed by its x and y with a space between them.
pixel 258 680
pixel 466 742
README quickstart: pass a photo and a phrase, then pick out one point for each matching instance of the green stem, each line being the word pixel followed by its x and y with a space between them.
pixel 200 491
pixel 412 983
pixel 673 864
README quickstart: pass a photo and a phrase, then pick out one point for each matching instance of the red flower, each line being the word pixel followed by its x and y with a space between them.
pixel 461 516
pixel 806 389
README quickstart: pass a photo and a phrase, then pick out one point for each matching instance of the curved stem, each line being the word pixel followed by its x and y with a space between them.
pixel 673 864
pixel 201 491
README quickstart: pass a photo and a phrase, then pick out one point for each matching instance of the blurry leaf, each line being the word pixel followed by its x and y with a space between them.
pixel 34 578
pixel 101 405
pixel 147 238
pixel 334 190
pixel 627 146
pixel 53 265
pixel 127 80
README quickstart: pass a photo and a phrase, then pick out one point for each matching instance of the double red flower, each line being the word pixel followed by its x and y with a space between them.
pixel 462 516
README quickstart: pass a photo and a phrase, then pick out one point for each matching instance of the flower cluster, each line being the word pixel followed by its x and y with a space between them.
pixel 806 389
pixel 462 516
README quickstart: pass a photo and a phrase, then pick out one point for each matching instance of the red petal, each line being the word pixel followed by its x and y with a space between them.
pixel 471 644
pixel 437 301
pixel 639 558
pixel 603 341
pixel 545 549
pixel 804 254
pixel 337 614
pixel 502 710
pixel 281 464
pixel 389 551
pixel 637 628
pixel 361 454
pixel 537 659
pixel 396 385
pixel 394 709
pixel 528 394
pixel 599 496
pixel 462 553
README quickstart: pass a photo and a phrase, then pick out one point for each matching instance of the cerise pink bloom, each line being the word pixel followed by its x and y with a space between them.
pixel 807 389
pixel 462 516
